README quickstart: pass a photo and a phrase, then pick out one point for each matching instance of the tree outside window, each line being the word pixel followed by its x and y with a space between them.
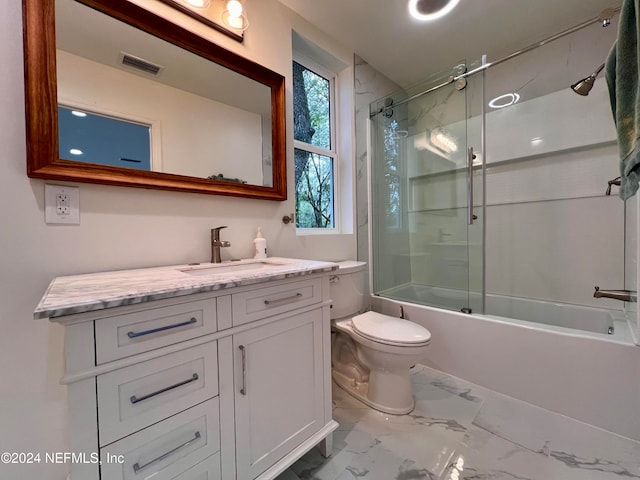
pixel 314 149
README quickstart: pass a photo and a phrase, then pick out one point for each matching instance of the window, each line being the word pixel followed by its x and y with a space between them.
pixel 315 146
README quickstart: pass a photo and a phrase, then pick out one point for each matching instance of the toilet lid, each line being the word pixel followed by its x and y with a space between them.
pixel 390 330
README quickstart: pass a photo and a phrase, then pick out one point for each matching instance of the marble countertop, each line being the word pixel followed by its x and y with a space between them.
pixel 97 291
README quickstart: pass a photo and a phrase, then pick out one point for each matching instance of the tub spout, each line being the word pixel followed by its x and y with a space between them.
pixel 624 295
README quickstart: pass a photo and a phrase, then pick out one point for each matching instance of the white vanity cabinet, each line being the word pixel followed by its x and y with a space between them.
pixel 279 389
pixel 227 384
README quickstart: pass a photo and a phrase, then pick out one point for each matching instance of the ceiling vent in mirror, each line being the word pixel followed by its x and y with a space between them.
pixel 138 63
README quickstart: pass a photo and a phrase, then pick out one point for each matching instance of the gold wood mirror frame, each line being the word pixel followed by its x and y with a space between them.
pixel 41 104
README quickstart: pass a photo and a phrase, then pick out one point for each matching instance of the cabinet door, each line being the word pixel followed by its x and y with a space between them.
pixel 278 390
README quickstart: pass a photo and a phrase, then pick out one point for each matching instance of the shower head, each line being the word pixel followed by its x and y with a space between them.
pixel 584 86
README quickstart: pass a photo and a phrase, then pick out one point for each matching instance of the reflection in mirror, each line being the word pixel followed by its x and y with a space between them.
pixel 94 138
pixel 205 119
pixel 201 127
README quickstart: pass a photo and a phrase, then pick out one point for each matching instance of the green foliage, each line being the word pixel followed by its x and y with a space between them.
pixel 314 193
pixel 318 99
pixel 314 172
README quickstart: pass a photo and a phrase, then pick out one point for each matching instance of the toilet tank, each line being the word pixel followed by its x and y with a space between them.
pixel 348 290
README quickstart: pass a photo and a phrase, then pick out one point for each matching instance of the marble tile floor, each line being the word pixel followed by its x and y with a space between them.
pixel 461 431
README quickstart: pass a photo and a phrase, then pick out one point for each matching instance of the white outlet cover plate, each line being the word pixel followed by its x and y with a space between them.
pixel 50 214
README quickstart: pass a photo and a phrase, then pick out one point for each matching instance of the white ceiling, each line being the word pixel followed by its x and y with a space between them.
pixel 407 51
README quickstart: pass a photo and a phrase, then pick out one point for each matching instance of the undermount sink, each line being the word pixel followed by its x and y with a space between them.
pixel 224 268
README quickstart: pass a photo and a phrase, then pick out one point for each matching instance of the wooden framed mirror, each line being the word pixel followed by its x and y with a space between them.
pixel 238 139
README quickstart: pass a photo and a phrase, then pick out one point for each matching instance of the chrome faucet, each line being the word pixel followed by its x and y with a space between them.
pixel 624 295
pixel 216 243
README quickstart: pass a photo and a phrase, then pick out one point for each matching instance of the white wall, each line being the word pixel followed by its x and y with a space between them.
pixel 120 228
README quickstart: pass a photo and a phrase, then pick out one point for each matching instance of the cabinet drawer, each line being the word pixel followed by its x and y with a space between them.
pixel 264 302
pixel 167 449
pixel 207 470
pixel 124 335
pixel 134 397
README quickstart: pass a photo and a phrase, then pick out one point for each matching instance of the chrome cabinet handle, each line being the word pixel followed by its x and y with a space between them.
pixel 243 350
pixel 135 399
pixel 471 217
pixel 137 468
pixel 160 329
pixel 282 300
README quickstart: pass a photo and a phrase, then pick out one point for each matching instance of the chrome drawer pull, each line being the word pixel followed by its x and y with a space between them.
pixel 137 468
pixel 160 329
pixel 282 300
pixel 243 350
pixel 135 399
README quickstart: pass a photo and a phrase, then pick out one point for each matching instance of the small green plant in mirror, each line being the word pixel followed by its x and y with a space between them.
pixel 221 177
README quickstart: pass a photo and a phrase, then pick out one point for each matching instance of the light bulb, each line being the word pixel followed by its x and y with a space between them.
pixel 234 7
pixel 235 22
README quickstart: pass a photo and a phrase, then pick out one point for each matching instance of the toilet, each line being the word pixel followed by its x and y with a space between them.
pixel 371 353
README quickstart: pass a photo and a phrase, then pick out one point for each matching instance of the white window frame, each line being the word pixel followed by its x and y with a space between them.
pixel 332 152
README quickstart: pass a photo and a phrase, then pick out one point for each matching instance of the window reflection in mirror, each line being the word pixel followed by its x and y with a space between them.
pixel 94 138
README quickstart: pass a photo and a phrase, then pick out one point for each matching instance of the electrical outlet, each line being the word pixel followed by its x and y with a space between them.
pixel 62 204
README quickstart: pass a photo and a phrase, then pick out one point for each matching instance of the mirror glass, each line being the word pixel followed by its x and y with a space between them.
pixel 200 125
pixel 154 105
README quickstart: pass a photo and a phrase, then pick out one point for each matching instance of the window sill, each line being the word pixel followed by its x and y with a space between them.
pixel 317 231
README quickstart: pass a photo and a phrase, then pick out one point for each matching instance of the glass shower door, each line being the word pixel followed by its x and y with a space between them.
pixel 420 197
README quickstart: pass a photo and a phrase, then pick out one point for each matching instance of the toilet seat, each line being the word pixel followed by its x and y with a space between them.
pixel 390 330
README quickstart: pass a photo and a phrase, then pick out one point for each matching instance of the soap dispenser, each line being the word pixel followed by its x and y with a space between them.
pixel 260 246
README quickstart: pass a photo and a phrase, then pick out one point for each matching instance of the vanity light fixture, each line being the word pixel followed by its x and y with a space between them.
pixel 234 16
pixel 215 14
pixel 505 100
pixel 427 10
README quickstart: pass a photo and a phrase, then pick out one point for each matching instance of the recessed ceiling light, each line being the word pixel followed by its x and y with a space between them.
pixel 505 100
pixel 77 113
pixel 427 10
pixel 75 151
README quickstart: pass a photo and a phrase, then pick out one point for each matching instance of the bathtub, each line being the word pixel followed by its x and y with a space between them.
pixel 587 374
pixel 524 311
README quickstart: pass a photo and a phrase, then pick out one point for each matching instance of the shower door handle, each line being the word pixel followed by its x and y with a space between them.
pixel 471 157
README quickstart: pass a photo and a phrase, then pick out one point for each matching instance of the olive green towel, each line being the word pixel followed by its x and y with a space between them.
pixel 622 68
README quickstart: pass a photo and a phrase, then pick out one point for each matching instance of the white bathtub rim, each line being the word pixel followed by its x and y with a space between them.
pixel 622 333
